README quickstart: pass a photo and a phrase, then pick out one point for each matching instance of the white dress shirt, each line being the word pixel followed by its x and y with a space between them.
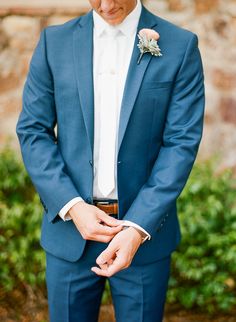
pixel 125 37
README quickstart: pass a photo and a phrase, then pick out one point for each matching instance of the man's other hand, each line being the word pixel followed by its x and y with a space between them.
pixel 119 253
pixel 93 223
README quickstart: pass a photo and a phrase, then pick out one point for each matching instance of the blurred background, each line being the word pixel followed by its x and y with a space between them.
pixel 202 286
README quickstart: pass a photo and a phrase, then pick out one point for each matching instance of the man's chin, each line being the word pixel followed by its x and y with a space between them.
pixel 113 21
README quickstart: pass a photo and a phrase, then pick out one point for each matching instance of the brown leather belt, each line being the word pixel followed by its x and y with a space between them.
pixel 109 206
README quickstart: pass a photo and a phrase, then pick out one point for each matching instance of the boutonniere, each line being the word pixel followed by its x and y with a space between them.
pixel 148 43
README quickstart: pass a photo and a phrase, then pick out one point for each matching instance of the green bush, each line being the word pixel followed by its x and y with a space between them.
pixel 21 258
pixel 203 267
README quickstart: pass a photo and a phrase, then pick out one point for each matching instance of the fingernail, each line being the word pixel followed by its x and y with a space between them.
pixel 94 268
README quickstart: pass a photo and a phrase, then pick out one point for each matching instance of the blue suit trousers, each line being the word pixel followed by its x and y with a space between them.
pixel 75 292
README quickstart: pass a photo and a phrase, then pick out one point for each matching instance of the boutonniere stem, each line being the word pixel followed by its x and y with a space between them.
pixel 148 43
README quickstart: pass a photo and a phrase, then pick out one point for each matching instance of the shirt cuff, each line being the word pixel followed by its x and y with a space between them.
pixel 63 213
pixel 132 224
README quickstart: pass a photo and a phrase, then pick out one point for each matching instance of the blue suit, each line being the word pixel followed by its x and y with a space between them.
pixel 160 129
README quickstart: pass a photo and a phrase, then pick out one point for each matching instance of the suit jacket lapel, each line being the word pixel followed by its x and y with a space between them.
pixel 135 76
pixel 83 60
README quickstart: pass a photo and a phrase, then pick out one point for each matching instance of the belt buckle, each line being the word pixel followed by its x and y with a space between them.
pixel 103 202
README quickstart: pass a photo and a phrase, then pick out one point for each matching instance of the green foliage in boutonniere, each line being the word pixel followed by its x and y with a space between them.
pixel 148 43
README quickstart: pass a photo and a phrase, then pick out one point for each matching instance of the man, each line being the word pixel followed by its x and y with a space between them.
pixel 128 131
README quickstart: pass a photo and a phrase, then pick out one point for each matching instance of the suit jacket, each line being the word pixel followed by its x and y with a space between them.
pixel 160 129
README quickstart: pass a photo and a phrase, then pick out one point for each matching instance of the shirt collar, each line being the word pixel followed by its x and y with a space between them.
pixel 128 26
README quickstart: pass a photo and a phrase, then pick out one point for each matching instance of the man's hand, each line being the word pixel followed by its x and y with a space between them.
pixel 93 223
pixel 119 253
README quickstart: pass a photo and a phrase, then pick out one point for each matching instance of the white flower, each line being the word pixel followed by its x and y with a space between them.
pixel 148 43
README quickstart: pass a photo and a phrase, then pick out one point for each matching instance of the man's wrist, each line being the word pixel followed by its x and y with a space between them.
pixel 64 212
pixel 73 211
pixel 138 227
pixel 140 233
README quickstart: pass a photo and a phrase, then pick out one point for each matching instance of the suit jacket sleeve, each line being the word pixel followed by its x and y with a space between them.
pixel 36 133
pixel 181 138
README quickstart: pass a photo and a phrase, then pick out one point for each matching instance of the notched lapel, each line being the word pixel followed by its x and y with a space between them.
pixel 83 61
pixel 135 75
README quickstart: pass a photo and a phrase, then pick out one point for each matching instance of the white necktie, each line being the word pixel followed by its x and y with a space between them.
pixel 108 116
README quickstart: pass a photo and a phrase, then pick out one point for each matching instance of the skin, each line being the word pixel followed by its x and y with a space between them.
pixel 93 223
pixel 113 11
pixel 119 253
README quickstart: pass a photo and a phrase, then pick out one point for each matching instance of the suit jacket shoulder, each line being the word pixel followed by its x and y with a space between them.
pixel 174 31
pixel 67 27
pixel 174 40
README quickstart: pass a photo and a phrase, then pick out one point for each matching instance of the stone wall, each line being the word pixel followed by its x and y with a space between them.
pixel 214 21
